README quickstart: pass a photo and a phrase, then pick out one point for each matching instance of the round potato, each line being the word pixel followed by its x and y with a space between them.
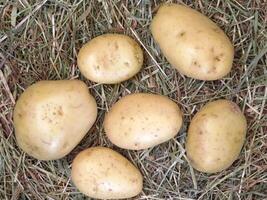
pixel 45 118
pixel 192 43
pixel 215 136
pixel 139 121
pixel 110 58
pixel 102 173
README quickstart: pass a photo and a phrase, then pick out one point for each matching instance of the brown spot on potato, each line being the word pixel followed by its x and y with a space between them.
pixel 212 70
pixel 60 111
pixel 122 117
pixel 216 30
pixel 107 171
pixel 136 144
pixel 125 133
pixel 196 64
pixel 181 34
pixel 217 58
pixel 111 60
pixel 214 115
pixel 35 148
pixel 116 45
pixel 131 118
pixel 212 49
pixel 88 153
pixel 65 145
pixel 97 68
pixel 155 135
pixel 139 60
pixel 19 115
pixel 146 118
pixel 127 64
pixel 46 142
pixel 110 190
pixel 234 108
pixel 200 132
pixel 134 180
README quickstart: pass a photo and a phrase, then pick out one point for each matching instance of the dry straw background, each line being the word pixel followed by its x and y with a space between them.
pixel 39 40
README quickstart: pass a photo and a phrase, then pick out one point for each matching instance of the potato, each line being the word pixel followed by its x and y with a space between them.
pixel 110 58
pixel 215 136
pixel 192 43
pixel 139 121
pixel 51 118
pixel 102 173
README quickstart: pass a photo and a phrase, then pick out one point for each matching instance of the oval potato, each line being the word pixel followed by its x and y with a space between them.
pixel 192 43
pixel 45 117
pixel 139 121
pixel 110 58
pixel 215 137
pixel 102 173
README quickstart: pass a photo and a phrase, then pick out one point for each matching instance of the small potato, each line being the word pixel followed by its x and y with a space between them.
pixel 215 136
pixel 139 121
pixel 110 58
pixel 102 173
pixel 51 118
pixel 192 43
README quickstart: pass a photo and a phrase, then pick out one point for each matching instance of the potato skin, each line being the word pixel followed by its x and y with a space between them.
pixel 102 173
pixel 45 117
pixel 215 137
pixel 192 43
pixel 141 120
pixel 110 58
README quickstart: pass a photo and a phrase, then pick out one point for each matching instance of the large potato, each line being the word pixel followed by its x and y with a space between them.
pixel 215 136
pixel 102 173
pixel 141 120
pixel 110 58
pixel 51 117
pixel 192 43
